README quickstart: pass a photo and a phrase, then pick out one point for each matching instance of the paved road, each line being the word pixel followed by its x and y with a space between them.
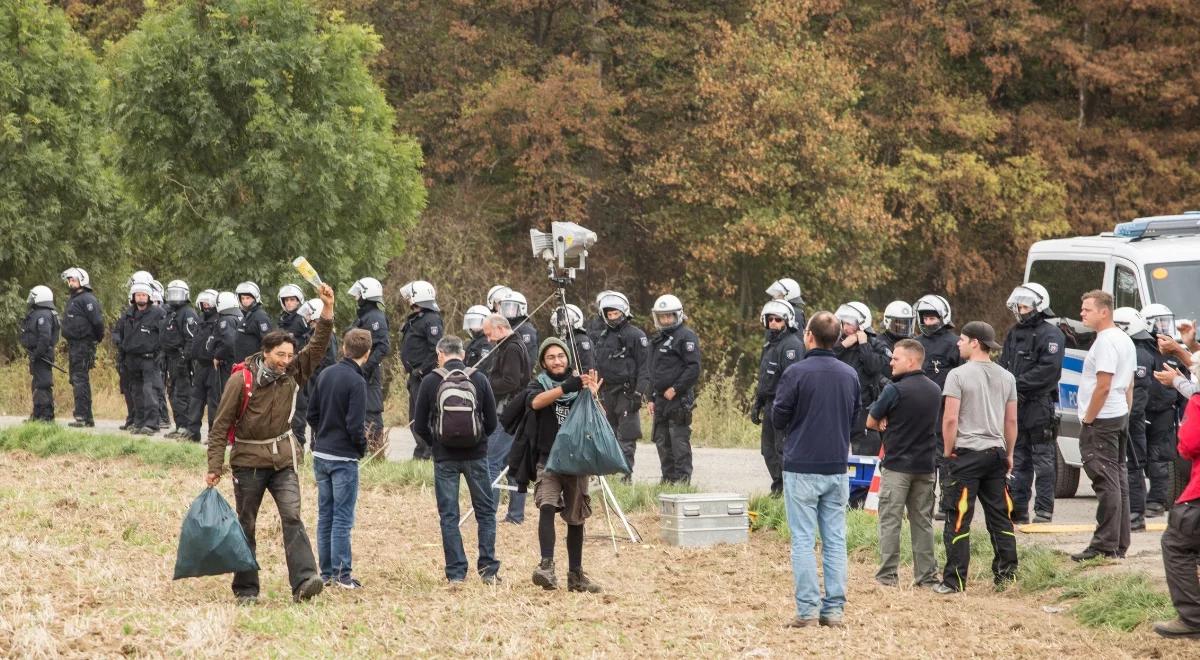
pixel 742 471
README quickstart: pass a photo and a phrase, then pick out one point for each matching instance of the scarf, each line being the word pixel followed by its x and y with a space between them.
pixel 549 383
pixel 263 374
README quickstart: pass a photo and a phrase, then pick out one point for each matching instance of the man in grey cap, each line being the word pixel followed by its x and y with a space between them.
pixel 979 430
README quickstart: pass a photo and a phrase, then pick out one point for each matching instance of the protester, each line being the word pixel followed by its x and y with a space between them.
pixel 337 414
pixel 456 411
pixel 905 414
pixel 1105 399
pixel 979 433
pixel 261 423
pixel 816 403
pixel 509 373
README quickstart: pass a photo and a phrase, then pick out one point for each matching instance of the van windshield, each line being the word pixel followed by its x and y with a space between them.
pixel 1175 285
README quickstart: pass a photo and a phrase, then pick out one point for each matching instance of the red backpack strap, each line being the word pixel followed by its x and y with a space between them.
pixel 247 381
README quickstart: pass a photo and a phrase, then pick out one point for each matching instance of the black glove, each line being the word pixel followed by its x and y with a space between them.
pixel 756 415
pixel 572 384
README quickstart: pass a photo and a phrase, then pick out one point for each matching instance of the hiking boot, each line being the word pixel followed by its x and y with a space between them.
pixel 81 424
pixel 1137 523
pixel 798 622
pixel 1154 509
pixel 491 579
pixel 307 589
pixel 1092 553
pixel 1042 517
pixel 579 581
pixel 543 575
pixel 832 622
pixel 145 430
pixel 942 590
pixel 888 581
pixel 1177 628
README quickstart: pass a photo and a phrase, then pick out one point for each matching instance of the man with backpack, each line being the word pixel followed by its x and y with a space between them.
pixel 255 416
pixel 456 411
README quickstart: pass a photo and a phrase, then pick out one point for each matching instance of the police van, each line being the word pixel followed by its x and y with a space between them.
pixel 1148 260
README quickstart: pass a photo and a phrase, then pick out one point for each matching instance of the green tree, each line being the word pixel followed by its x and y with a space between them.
pixel 57 206
pixel 251 131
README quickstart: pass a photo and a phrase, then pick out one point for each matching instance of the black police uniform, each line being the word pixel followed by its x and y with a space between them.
pixel 1161 435
pixel 781 350
pixel 674 363
pixel 594 327
pixel 528 335
pixel 887 341
pixel 623 361
pixel 1033 354
pixel 583 349
pixel 255 324
pixel 941 355
pixel 294 324
pixel 179 333
pixel 141 343
pixel 477 349
pixel 122 373
pixel 83 327
pixel 372 319
pixel 1146 350
pixel 224 346
pixel 39 336
pixel 205 391
pixel 868 362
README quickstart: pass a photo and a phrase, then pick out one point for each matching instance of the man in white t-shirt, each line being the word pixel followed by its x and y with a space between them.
pixel 1105 397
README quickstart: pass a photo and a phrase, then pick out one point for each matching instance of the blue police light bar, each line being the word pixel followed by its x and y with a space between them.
pixel 1165 225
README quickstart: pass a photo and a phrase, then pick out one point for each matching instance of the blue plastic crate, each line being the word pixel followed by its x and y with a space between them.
pixel 861 469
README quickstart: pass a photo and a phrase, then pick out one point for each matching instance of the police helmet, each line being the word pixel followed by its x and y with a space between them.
pixel 207 298
pixel 41 296
pixel 290 291
pixel 141 287
pixel 856 314
pixel 156 292
pixel 421 294
pixel 898 318
pixel 178 292
pixel 311 310
pixel 367 288
pixel 248 289
pixel 495 295
pixel 936 305
pixel 786 289
pixel 779 308
pixel 571 313
pixel 78 274
pixel 1032 295
pixel 474 317
pixel 1161 319
pixel 614 300
pixel 139 276
pixel 513 305
pixel 227 302
pixel 1132 322
pixel 668 304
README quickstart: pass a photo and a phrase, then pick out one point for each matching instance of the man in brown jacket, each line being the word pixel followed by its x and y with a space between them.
pixel 264 453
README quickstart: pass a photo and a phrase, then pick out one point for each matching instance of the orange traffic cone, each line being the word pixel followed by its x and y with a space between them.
pixel 872 504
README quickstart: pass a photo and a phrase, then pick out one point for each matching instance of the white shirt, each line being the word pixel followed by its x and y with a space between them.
pixel 1112 353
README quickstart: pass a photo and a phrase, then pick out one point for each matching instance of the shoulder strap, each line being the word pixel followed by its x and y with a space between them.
pixel 247 381
pixel 441 372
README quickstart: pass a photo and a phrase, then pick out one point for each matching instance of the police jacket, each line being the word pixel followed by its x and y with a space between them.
pixel 782 349
pixel 528 335
pixel 623 358
pixel 39 333
pixel 141 330
pixel 1162 396
pixel 868 362
pixel 675 361
pixel 1033 354
pixel 887 341
pixel 422 330
pixel 477 349
pixel 941 354
pixel 372 319
pixel 82 317
pixel 225 338
pixel 584 350
pixel 179 330
pixel 294 323
pixel 250 331
pixel 1146 351
pixel 594 327
pixel 205 340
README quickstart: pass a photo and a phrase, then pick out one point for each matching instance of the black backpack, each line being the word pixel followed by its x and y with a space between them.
pixel 457 419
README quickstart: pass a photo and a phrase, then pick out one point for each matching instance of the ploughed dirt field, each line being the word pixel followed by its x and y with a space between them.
pixel 89 547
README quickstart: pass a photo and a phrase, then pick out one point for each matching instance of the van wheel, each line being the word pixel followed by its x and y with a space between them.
pixel 1066 478
pixel 1178 473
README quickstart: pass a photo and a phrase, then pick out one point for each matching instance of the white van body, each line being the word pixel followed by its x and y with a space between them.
pixel 1157 267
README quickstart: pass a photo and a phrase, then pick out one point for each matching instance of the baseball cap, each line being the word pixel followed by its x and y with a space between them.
pixel 982 332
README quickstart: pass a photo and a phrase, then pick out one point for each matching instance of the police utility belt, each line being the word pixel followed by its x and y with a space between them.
pixel 274 442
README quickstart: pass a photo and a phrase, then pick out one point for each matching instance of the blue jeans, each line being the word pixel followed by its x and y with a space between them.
pixel 445 489
pixel 337 494
pixel 499 444
pixel 818 501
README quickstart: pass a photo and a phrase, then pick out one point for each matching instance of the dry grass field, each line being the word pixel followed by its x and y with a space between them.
pixel 89 548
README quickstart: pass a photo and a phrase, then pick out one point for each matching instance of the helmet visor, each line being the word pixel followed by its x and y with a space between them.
pixel 900 326
pixel 1164 325
pixel 510 309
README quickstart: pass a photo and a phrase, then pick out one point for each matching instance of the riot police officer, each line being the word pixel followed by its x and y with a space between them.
pixel 160 385
pixel 596 324
pixel 179 331
pixel 310 312
pixel 1033 354
pixel 789 290
pixel 782 349
pixel 142 277
pixel 674 370
pixel 290 298
pixel 368 291
pixel 39 336
pixel 1146 349
pixel 936 327
pixel 206 394
pixel 898 321
pixel 623 360
pixel 862 351
pixel 515 308
pixel 568 323
pixel 1161 414
pixel 255 323
pixel 479 346
pixel 141 344
pixel 83 327
pixel 229 317
pixel 495 295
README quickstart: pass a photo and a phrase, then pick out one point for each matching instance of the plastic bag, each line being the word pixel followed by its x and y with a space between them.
pixel 211 541
pixel 586 444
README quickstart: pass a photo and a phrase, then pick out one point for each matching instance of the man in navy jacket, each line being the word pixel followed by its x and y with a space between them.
pixel 815 405
pixel 337 414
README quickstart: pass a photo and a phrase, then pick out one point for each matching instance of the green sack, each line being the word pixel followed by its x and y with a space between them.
pixel 211 541
pixel 586 444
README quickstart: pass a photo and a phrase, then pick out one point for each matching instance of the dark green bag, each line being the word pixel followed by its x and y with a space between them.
pixel 585 443
pixel 211 541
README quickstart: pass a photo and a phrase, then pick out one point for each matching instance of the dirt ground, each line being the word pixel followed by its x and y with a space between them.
pixel 89 548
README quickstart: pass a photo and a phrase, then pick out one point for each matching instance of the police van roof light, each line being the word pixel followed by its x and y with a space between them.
pixel 1166 225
